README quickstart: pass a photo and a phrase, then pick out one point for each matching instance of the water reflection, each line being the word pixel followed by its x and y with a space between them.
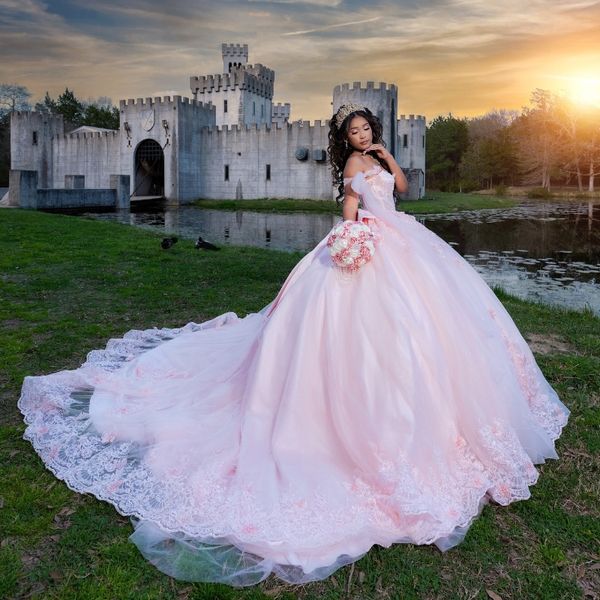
pixel 291 232
pixel 548 252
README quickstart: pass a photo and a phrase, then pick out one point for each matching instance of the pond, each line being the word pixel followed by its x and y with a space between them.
pixel 547 252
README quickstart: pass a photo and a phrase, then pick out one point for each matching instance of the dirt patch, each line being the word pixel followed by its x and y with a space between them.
pixel 548 344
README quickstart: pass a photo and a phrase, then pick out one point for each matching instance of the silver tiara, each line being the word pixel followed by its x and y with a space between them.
pixel 344 111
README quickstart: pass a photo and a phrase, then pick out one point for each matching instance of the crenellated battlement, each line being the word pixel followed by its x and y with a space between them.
pixel 260 71
pixel 35 115
pixel 87 135
pixel 255 78
pixel 235 51
pixel 318 124
pixel 357 86
pixel 166 100
pixel 411 118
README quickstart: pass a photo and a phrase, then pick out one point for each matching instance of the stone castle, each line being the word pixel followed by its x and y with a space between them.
pixel 229 141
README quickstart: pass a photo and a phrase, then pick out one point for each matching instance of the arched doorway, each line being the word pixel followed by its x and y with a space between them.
pixel 149 169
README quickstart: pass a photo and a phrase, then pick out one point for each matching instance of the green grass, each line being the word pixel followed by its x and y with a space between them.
pixel 67 284
pixel 436 202
pixel 443 202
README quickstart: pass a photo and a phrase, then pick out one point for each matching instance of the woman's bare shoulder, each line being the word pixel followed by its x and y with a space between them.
pixel 354 164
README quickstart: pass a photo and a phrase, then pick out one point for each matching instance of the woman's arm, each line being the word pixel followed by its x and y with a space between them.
pixel 350 206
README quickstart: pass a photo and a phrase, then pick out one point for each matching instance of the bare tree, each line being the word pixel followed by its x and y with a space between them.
pixel 591 143
pixel 13 97
pixel 540 141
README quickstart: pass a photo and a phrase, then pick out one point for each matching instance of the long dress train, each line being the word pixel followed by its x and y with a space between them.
pixel 383 406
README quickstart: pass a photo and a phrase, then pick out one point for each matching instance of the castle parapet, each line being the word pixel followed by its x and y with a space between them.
pixel 357 87
pixel 411 118
pixel 255 78
pixel 166 100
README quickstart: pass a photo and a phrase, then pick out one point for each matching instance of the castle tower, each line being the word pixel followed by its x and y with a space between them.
pixel 242 94
pixel 281 113
pixel 31 147
pixel 234 56
pixel 159 145
pixel 411 149
pixel 381 101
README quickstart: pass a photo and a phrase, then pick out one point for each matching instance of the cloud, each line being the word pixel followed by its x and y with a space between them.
pixel 463 56
pixel 329 27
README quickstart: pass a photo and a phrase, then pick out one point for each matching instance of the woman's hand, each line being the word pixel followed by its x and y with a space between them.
pixel 381 151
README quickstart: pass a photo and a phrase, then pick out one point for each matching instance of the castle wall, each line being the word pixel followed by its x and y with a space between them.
pixel 96 156
pixel 31 145
pixel 234 114
pixel 247 151
pixel 255 109
pixel 193 118
pixel 381 101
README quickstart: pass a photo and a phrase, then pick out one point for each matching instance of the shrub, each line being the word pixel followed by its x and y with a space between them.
pixel 540 192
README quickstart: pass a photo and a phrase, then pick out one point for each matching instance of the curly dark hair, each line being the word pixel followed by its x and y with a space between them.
pixel 339 152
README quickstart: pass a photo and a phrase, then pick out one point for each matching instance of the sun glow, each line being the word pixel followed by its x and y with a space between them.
pixel 585 91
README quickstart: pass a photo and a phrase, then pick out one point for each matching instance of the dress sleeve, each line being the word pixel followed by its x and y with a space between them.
pixel 357 182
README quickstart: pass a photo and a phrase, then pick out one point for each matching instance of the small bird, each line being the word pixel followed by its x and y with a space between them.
pixel 166 243
pixel 204 245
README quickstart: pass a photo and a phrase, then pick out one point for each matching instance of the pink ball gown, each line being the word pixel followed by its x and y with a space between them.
pixel 375 407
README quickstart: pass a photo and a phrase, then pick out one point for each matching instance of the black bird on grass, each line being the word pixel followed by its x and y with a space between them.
pixel 204 245
pixel 166 243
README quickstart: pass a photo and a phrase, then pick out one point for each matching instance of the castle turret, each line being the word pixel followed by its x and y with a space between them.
pixel 31 147
pixel 281 113
pixel 381 101
pixel 234 56
pixel 242 94
pixel 411 151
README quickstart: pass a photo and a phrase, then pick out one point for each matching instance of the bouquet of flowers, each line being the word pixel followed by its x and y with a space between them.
pixel 351 244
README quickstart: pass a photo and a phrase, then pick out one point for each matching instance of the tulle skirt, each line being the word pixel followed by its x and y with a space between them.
pixel 376 407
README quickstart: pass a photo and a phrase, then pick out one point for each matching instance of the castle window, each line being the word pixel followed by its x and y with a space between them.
pixel 226 172
pixel 268 172
pixel 262 110
pixel 423 138
pixel 405 140
pixel 253 108
pixel 224 106
pixel 34 138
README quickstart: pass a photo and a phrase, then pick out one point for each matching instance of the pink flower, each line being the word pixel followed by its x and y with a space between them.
pixel 249 528
pixel 460 442
pixel 114 486
pixel 503 491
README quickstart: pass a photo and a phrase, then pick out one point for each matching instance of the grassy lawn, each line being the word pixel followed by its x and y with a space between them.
pixel 435 202
pixel 68 284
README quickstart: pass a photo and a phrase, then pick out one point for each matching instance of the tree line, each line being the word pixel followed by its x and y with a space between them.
pixel 553 142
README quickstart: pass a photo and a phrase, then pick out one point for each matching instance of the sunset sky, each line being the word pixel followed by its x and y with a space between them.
pixel 460 56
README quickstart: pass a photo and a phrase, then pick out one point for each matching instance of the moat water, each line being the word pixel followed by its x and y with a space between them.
pixel 547 252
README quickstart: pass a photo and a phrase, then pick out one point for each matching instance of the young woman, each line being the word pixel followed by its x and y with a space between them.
pixel 379 406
